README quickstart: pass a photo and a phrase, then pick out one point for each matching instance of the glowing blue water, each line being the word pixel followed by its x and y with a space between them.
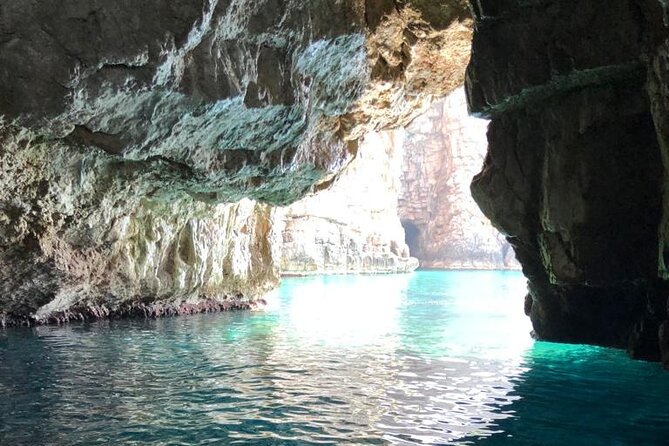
pixel 430 358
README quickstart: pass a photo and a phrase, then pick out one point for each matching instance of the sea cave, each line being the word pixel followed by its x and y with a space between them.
pixel 369 222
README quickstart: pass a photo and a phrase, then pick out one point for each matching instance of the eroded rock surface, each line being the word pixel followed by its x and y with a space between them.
pixel 443 149
pixel 125 125
pixel 574 177
pixel 90 236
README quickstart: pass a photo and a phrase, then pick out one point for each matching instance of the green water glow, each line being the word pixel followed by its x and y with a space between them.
pixel 430 358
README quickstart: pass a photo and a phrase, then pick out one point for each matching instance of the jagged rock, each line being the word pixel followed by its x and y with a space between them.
pixel 574 173
pixel 443 150
pixel 353 227
pixel 90 228
pixel 124 126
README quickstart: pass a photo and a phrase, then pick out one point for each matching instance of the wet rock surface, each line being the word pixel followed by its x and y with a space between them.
pixel 575 174
pixel 130 133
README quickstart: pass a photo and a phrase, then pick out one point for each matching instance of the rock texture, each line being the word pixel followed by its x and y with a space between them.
pixel 84 236
pixel 124 125
pixel 574 176
pixel 353 227
pixel 443 150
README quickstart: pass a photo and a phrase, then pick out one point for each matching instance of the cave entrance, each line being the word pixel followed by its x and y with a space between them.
pixel 417 179
pixel 441 151
pixel 411 237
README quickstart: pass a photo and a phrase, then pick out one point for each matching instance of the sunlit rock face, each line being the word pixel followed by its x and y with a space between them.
pixel 409 185
pixel 94 239
pixel 574 176
pixel 352 227
pixel 125 125
pixel 443 149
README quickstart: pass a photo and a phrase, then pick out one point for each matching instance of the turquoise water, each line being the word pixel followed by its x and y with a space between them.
pixel 431 358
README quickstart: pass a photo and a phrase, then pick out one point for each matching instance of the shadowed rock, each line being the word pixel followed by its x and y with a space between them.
pixel 574 175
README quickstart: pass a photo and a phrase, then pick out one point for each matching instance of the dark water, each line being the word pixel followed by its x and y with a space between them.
pixel 431 358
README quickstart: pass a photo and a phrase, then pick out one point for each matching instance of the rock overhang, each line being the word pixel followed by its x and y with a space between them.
pixel 132 130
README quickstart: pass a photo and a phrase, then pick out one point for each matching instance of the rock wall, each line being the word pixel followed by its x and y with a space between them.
pixel 95 233
pixel 444 148
pixel 576 170
pixel 125 129
pixel 353 226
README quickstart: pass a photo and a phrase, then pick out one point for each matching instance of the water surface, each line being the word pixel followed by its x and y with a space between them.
pixel 431 358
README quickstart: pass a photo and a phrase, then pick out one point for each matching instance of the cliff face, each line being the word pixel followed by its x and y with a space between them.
pixel 574 175
pixel 443 150
pixel 352 227
pixel 417 177
pixel 124 127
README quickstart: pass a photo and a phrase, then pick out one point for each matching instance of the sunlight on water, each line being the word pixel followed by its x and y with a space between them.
pixel 429 358
pixel 340 311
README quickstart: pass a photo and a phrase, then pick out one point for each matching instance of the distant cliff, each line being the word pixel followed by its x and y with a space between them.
pixel 420 175
pixel 443 149
pixel 353 226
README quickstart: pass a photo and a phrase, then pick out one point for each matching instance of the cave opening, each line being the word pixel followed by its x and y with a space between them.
pixel 285 138
pixel 402 203
pixel 411 237
pixel 441 151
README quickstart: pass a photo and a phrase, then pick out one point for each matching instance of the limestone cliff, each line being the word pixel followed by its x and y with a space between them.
pixel 443 149
pixel 124 126
pixel 352 227
pixel 420 175
pixel 574 176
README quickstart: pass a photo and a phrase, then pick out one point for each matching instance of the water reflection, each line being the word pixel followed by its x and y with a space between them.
pixel 584 395
pixel 429 358
pixel 342 311
pixel 463 346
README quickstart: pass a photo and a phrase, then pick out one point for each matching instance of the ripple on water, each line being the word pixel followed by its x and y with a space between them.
pixel 430 358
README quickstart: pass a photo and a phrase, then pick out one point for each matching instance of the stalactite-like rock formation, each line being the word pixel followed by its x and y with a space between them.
pixel 125 125
pixel 577 94
pixel 443 149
